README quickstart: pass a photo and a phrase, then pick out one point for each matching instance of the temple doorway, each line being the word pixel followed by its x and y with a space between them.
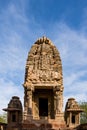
pixel 43 107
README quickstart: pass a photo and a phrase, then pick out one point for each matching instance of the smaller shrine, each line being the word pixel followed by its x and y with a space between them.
pixel 14 114
pixel 72 113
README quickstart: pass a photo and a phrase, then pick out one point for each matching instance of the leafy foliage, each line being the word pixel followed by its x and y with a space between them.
pixel 3 118
pixel 83 118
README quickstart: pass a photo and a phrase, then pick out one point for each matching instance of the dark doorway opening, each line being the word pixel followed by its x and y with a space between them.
pixel 73 119
pixel 13 118
pixel 43 106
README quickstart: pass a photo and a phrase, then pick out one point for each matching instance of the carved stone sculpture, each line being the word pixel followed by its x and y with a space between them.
pixel 43 75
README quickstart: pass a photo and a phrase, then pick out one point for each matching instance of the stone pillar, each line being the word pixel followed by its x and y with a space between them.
pixel 25 105
pixel 54 105
pixel 79 118
pixel 58 104
pixel 70 119
pixel 59 101
pixel 29 107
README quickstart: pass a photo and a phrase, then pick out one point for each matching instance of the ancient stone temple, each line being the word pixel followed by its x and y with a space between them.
pixel 43 93
pixel 72 113
pixel 14 114
pixel 43 84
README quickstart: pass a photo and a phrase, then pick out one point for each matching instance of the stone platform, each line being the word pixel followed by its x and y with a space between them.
pixel 43 125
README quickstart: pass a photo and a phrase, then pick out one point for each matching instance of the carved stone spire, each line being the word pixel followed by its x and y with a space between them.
pixel 43 72
pixel 43 63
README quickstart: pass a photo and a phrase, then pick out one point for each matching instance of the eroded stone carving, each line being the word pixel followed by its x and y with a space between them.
pixel 72 104
pixel 72 113
pixel 37 76
pixel 43 63
pixel 44 68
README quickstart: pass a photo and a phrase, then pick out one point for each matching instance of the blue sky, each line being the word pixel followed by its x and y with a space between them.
pixel 22 22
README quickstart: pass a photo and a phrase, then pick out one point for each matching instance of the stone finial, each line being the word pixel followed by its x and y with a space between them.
pixel 44 40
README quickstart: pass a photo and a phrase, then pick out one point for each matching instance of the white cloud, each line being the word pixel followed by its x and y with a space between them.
pixel 7 90
pixel 73 44
pixel 13 54
pixel 78 87
pixel 73 77
pixel 75 86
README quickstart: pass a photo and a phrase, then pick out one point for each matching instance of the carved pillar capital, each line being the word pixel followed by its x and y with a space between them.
pixel 58 88
pixel 28 86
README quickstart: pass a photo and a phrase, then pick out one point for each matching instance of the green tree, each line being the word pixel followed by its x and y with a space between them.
pixel 83 118
pixel 3 118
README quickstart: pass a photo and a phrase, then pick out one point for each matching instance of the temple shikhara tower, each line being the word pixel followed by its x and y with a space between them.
pixel 43 93
pixel 43 84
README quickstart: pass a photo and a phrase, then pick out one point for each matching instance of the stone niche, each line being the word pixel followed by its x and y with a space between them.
pixel 43 85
